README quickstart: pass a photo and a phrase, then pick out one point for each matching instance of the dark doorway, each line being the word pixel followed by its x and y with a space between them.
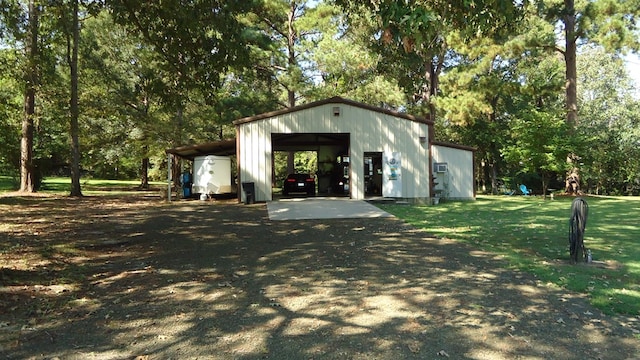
pixel 373 174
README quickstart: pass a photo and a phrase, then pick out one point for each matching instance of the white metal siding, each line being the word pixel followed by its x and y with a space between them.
pixel 369 131
pixel 460 170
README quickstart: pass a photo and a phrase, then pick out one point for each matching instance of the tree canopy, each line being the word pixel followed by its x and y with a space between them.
pixel 509 78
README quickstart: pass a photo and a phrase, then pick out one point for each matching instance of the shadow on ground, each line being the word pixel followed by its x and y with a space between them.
pixel 124 278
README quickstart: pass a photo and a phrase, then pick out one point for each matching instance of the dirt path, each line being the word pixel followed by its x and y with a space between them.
pixel 140 279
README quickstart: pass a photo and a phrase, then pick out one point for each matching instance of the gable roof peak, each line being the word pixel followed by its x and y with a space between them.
pixel 333 100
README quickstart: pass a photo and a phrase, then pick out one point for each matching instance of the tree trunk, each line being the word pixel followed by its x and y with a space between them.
pixel 176 172
pixel 570 63
pixel 176 169
pixel 291 61
pixel 144 173
pixel 73 105
pixel 291 164
pixel 486 176
pixel 27 170
pixel 494 178
pixel 432 76
pixel 569 19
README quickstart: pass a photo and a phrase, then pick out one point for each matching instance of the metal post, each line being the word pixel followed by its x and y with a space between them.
pixel 169 165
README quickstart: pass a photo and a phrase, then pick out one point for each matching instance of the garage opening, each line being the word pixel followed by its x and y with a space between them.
pixel 324 156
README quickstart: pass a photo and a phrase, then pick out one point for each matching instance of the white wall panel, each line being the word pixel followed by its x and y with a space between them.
pixel 460 170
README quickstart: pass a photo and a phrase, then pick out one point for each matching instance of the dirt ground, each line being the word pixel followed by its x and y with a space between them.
pixel 137 278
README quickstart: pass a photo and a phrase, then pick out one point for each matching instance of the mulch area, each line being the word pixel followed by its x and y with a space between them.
pixel 139 278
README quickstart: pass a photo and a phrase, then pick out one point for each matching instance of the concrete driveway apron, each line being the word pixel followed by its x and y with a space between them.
pixel 322 208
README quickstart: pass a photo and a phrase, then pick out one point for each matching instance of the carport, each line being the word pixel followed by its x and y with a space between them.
pixel 190 152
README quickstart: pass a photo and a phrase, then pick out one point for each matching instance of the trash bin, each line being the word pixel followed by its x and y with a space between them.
pixel 249 192
pixel 187 182
pixel 186 178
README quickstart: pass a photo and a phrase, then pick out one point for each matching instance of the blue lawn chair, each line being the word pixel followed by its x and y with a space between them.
pixel 524 190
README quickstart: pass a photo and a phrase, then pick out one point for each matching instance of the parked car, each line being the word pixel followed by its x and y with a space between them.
pixel 299 183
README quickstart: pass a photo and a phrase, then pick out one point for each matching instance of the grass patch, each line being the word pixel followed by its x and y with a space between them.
pixel 8 183
pixel 532 235
pixel 62 186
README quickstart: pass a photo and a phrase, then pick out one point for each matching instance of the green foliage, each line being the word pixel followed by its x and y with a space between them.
pixel 609 117
pixel 10 110
pixel 303 162
pixel 346 67
pixel 155 75
pixel 196 40
pixel 531 234
pixel 609 23
pixel 306 162
pixel 540 144
pixel 415 40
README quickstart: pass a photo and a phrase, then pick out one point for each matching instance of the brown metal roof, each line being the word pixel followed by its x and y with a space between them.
pixel 221 148
pixel 333 100
pixel 454 146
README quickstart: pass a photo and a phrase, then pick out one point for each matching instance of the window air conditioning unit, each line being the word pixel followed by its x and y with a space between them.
pixel 442 168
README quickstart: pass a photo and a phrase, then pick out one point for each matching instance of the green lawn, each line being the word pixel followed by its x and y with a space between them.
pixel 62 186
pixel 532 234
pixel 7 183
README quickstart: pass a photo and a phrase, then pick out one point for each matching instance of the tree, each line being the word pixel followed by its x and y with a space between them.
pixel 125 121
pixel 290 25
pixel 412 37
pixel 539 144
pixel 473 101
pixel 609 116
pixel 197 41
pixel 343 65
pixel 606 22
pixel 73 38
pixel 11 109
pixel 27 171
pixel 22 25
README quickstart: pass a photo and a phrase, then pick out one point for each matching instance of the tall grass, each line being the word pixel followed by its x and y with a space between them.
pixel 532 235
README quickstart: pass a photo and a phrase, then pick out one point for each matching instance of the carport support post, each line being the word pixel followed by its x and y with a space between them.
pixel 169 165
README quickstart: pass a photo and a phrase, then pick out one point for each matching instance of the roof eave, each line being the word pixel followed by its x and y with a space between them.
pixel 333 100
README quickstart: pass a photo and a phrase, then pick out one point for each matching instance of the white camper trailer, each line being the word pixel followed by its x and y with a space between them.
pixel 211 175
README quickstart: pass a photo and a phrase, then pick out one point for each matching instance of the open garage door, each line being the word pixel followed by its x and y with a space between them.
pixel 332 151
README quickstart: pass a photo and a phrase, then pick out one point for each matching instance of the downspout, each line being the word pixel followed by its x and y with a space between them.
pixel 473 174
pixel 430 138
pixel 238 167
